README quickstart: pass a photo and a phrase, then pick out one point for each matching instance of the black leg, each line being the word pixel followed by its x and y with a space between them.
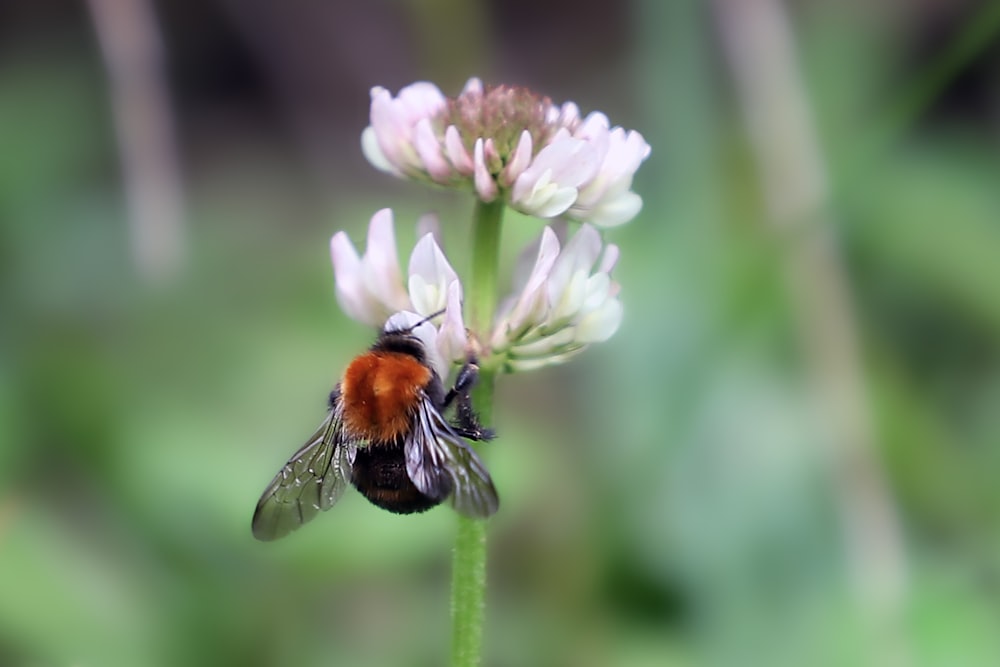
pixel 466 422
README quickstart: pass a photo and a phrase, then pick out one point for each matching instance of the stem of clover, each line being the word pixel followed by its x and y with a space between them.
pixel 468 583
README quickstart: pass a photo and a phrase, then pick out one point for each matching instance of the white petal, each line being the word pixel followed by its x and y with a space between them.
pixel 452 340
pixel 599 325
pixel 373 153
pixel 571 161
pixel 429 149
pixel 547 344
pixel 606 200
pixel 578 256
pixel 545 198
pixel 565 301
pixel 612 212
pixel 522 365
pixel 594 125
pixel 548 186
pixel 597 291
pixel 430 275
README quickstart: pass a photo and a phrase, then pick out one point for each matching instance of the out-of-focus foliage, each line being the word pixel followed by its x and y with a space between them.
pixel 666 500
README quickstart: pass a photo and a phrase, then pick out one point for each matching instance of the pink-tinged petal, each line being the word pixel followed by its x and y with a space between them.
pixel 455 150
pixel 594 125
pixel 346 261
pixel 429 149
pixel 420 100
pixel 531 303
pixel 381 262
pixel 347 274
pixel 486 187
pixel 452 338
pixel 391 129
pixel 393 121
pixel 518 162
pixel 609 259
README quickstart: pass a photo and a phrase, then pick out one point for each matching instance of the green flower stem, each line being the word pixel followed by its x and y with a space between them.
pixel 485 265
pixel 468 578
pixel 468 583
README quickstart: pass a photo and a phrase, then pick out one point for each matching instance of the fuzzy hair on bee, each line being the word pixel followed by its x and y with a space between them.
pixel 385 434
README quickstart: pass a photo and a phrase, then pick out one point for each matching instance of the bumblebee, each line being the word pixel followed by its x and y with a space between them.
pixel 386 434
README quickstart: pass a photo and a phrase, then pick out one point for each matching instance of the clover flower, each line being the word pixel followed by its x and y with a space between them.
pixel 370 288
pixel 510 143
pixel 564 302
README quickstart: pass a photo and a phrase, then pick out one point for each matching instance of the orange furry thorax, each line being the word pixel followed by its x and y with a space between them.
pixel 380 391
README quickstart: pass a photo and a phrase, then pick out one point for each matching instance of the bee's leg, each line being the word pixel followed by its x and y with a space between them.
pixel 466 422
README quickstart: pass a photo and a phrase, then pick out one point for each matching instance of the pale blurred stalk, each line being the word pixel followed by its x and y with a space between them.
pixel 133 57
pixel 759 44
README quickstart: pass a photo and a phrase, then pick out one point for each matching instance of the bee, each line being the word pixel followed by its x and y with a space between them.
pixel 385 433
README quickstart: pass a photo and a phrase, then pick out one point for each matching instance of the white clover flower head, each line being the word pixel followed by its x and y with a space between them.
pixel 370 288
pixel 563 301
pixel 511 143
pixel 567 301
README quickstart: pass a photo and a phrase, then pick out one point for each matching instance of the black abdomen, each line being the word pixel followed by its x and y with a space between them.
pixel 379 473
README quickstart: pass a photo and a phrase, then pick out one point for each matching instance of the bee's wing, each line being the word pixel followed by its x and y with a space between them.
pixel 312 480
pixel 440 463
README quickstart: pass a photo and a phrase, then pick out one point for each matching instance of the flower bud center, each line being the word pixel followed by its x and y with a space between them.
pixel 501 113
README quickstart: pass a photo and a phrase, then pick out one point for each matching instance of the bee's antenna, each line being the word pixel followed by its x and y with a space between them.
pixel 410 328
pixel 429 318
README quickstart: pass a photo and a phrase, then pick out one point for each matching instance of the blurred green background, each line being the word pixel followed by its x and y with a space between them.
pixel 751 472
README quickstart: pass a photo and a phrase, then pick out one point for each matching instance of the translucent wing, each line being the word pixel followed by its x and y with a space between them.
pixel 312 480
pixel 440 463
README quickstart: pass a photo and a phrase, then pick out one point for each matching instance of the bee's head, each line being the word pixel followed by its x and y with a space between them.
pixel 408 333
